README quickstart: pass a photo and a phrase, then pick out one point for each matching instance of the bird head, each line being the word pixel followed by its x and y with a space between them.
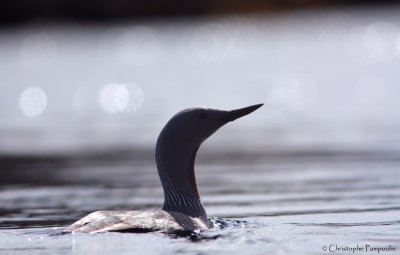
pixel 193 126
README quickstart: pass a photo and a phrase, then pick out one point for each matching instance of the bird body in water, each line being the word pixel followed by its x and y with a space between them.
pixel 175 154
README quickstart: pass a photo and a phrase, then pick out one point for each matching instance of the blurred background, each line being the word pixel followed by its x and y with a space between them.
pixel 105 75
pixel 86 87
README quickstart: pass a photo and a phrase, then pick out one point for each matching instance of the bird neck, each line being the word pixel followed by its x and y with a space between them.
pixel 175 165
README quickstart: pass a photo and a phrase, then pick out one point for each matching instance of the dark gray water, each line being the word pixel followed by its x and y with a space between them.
pixel 287 202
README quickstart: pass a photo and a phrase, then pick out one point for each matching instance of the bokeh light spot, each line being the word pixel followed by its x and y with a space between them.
pixel 113 98
pixel 116 98
pixel 33 102
pixel 136 97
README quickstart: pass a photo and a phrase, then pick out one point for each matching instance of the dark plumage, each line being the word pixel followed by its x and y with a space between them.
pixel 175 154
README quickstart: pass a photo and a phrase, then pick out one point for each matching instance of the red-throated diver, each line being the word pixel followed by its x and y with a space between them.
pixel 175 154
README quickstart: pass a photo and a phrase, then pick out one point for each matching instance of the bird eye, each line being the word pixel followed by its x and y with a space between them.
pixel 203 115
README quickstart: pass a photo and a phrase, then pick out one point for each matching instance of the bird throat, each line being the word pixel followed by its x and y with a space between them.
pixel 192 176
pixel 176 171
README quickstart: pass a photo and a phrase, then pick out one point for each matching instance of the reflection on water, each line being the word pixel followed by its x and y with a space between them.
pixel 283 201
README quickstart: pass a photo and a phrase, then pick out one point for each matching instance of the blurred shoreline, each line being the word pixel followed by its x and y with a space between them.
pixel 30 165
pixel 86 88
pixel 61 11
pixel 328 79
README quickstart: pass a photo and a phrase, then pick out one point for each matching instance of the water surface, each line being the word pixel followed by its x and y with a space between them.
pixel 286 202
